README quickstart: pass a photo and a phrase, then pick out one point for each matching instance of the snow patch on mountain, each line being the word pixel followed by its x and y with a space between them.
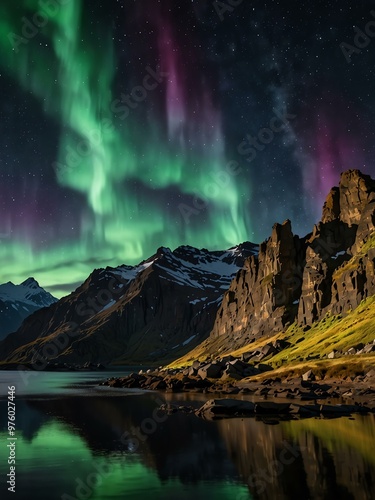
pixel 28 293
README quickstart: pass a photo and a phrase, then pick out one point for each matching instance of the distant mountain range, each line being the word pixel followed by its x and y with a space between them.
pixel 17 302
pixel 157 310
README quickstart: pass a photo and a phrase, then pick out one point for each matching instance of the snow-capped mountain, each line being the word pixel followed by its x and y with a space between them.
pixel 17 302
pixel 164 306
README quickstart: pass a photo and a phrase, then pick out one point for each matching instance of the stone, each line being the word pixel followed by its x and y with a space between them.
pixel 272 408
pixel 158 385
pixel 309 375
pixel 263 367
pixel 217 408
pixel 211 370
pixel 268 349
pixel 246 356
pixel 227 359
pixel 336 409
pixel 231 373
pixel 238 365
pixel 333 354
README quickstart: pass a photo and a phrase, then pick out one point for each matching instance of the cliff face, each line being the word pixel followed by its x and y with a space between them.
pixel 293 279
pixel 262 297
pixel 339 268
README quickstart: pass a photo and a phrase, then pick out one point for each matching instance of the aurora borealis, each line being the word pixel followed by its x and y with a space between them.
pixel 122 121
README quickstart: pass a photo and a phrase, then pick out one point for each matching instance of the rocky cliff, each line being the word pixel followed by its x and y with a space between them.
pixel 303 279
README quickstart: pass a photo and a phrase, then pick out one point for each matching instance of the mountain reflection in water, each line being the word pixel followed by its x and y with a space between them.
pixel 64 442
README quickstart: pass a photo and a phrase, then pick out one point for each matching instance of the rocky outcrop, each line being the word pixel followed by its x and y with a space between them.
pixel 327 249
pixel 263 296
pixel 335 277
pixel 293 279
pixel 357 190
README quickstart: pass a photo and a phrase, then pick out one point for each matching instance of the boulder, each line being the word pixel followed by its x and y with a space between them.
pixel 308 376
pixel 268 349
pixel 305 410
pixel 333 354
pixel 280 344
pixel 227 359
pixel 212 370
pixel 231 372
pixel 238 365
pixel 263 367
pixel 272 408
pixel 158 385
pixel 246 356
pixel 219 408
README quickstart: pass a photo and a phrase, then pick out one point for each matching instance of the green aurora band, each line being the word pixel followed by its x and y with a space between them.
pixel 72 75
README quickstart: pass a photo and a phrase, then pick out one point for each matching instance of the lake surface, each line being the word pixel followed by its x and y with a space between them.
pixel 76 440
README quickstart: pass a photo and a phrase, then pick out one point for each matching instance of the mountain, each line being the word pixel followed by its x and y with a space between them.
pixel 156 310
pixel 17 302
pixel 302 281
pixel 213 303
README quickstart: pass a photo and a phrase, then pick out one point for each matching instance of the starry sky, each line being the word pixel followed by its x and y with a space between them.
pixel 132 124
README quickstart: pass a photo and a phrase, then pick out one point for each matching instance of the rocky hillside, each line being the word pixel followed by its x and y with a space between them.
pixel 155 311
pixel 301 280
pixel 17 302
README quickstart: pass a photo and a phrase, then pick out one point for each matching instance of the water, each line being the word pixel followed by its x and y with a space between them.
pixel 79 441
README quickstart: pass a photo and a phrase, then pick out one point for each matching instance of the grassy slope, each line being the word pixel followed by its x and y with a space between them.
pixel 332 332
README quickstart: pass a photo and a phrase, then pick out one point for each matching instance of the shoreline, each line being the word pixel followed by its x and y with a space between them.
pixel 286 398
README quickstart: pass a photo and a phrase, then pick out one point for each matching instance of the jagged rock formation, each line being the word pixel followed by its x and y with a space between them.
pixel 292 279
pixel 154 311
pixel 262 297
pixel 340 273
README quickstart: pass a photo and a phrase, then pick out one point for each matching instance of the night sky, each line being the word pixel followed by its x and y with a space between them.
pixel 132 124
